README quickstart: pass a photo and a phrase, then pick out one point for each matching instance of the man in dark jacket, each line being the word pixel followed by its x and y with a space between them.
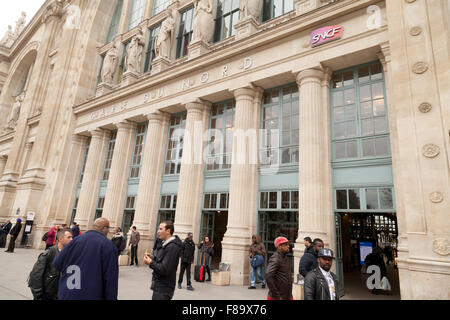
pixel 4 230
pixel 75 229
pixel 44 277
pixel 278 272
pixel 257 248
pixel 321 283
pixel 14 234
pixel 166 263
pixel 308 261
pixel 187 257
pixel 89 266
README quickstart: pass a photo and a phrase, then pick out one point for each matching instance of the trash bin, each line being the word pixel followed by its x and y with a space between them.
pixel 221 277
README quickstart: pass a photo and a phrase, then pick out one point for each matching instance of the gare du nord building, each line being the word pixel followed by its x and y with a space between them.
pixel 316 118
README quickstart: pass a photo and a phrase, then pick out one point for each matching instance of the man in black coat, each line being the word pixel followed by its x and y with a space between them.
pixel 14 234
pixel 44 277
pixel 4 230
pixel 166 263
pixel 308 261
pixel 321 283
pixel 187 257
pixel 75 229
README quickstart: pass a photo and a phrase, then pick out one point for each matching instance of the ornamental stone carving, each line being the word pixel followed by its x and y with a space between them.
pixel 11 123
pixel 436 197
pixel 134 54
pixel 164 36
pixel 415 31
pixel 110 64
pixel 420 67
pixel 203 20
pixel 20 24
pixel 251 8
pixel 9 38
pixel 425 107
pixel 430 150
pixel 441 246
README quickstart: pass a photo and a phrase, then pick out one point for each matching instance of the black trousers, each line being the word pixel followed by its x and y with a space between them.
pixel 134 257
pixel 12 243
pixel 3 240
pixel 161 296
pixel 185 267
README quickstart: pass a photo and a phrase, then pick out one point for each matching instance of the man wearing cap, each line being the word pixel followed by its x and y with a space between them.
pixel 321 283
pixel 14 234
pixel 187 257
pixel 278 272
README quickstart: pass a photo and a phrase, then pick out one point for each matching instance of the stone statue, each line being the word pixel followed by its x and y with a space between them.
pixel 203 20
pixel 164 36
pixel 9 38
pixel 134 54
pixel 110 64
pixel 251 8
pixel 15 113
pixel 20 24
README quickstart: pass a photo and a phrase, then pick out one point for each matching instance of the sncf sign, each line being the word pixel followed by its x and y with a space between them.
pixel 326 34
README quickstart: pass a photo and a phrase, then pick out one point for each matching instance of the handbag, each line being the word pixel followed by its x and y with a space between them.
pixel 256 261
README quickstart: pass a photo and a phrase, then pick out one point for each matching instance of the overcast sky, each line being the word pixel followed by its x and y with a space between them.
pixel 11 10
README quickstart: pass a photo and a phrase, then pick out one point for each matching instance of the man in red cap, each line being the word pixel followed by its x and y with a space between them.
pixel 278 272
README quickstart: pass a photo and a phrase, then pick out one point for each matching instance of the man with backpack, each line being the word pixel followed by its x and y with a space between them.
pixel 4 230
pixel 15 231
pixel 119 240
pixel 187 257
pixel 44 277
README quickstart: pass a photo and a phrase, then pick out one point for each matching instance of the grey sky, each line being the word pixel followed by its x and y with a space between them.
pixel 11 10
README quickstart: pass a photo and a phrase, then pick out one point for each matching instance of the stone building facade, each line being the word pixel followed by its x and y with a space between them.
pixel 276 117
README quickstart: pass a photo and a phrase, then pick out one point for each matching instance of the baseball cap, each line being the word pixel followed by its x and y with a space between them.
pixel 280 240
pixel 190 234
pixel 328 253
pixel 19 220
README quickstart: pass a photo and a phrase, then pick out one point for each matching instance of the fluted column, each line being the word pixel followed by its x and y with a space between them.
pixel 190 185
pixel 118 175
pixel 314 174
pixel 243 184
pixel 146 213
pixel 91 180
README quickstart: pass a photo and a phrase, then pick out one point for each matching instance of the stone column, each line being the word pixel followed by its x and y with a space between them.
pixel 118 175
pixel 314 174
pixel 3 160
pixel 243 186
pixel 147 204
pixel 190 185
pixel 87 201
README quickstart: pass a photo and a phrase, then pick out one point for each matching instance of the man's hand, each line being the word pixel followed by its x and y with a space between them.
pixel 147 260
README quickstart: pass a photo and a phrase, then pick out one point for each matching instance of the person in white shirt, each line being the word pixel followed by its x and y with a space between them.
pixel 321 283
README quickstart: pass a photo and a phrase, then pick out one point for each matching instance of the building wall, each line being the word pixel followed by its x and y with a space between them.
pixel 41 159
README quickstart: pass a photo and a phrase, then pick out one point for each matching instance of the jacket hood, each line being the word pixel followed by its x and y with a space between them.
pixel 173 240
pixel 311 250
pixel 258 238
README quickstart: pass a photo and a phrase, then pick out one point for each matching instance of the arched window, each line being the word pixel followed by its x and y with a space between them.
pixel 136 13
pixel 115 21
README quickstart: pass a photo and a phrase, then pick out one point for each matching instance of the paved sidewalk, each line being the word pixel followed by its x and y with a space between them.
pixel 134 282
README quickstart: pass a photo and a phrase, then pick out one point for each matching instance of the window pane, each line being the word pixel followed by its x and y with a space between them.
pixel 351 129
pixel 285 204
pixel 337 80
pixel 353 197
pixel 364 93
pixel 378 108
pixel 348 78
pixel 368 149
pixel 263 200
pixel 381 146
pixel 366 109
pixel 339 150
pixel 350 113
pixel 367 127
pixel 339 130
pixel 341 199
pixel 386 201
pixel 338 98
pixel 272 200
pixel 206 202
pixel 339 114
pixel 380 125
pixel 372 198
pixel 377 71
pixel 349 96
pixel 377 90
pixel 352 151
pixel 363 74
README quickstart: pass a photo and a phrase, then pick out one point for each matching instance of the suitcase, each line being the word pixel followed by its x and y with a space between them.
pixel 199 273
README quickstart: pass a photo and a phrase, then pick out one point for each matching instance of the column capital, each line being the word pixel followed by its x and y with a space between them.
pixel 3 158
pixel 125 125
pixel 327 72
pixel 243 93
pixel 198 105
pixel 309 74
pixel 158 116
pixel 78 138
pixel 98 133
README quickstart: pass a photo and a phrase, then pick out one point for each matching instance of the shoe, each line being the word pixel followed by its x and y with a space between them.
pixel 252 287
pixel 190 288
pixel 132 264
pixel 179 286
pixel 263 286
pixel 208 280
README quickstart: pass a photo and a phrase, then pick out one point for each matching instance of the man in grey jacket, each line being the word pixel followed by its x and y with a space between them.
pixel 134 241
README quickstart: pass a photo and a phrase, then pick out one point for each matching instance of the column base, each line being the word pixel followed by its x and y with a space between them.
pixel 159 65
pixel 246 28
pixel 197 48
pixel 129 77
pixel 102 89
pixel 235 250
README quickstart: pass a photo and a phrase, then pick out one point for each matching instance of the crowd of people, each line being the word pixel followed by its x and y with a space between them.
pixel 88 267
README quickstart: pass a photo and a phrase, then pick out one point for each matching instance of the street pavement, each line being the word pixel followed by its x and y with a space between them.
pixel 134 282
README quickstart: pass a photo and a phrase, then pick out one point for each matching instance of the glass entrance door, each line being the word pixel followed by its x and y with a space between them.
pixel 207 229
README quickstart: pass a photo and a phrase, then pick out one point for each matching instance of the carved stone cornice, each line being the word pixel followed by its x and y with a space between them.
pixel 54 9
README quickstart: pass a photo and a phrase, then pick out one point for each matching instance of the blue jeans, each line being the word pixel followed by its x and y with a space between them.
pixel 253 276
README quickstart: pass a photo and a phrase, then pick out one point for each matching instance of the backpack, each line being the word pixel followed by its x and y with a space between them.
pixel 45 236
pixel 123 244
